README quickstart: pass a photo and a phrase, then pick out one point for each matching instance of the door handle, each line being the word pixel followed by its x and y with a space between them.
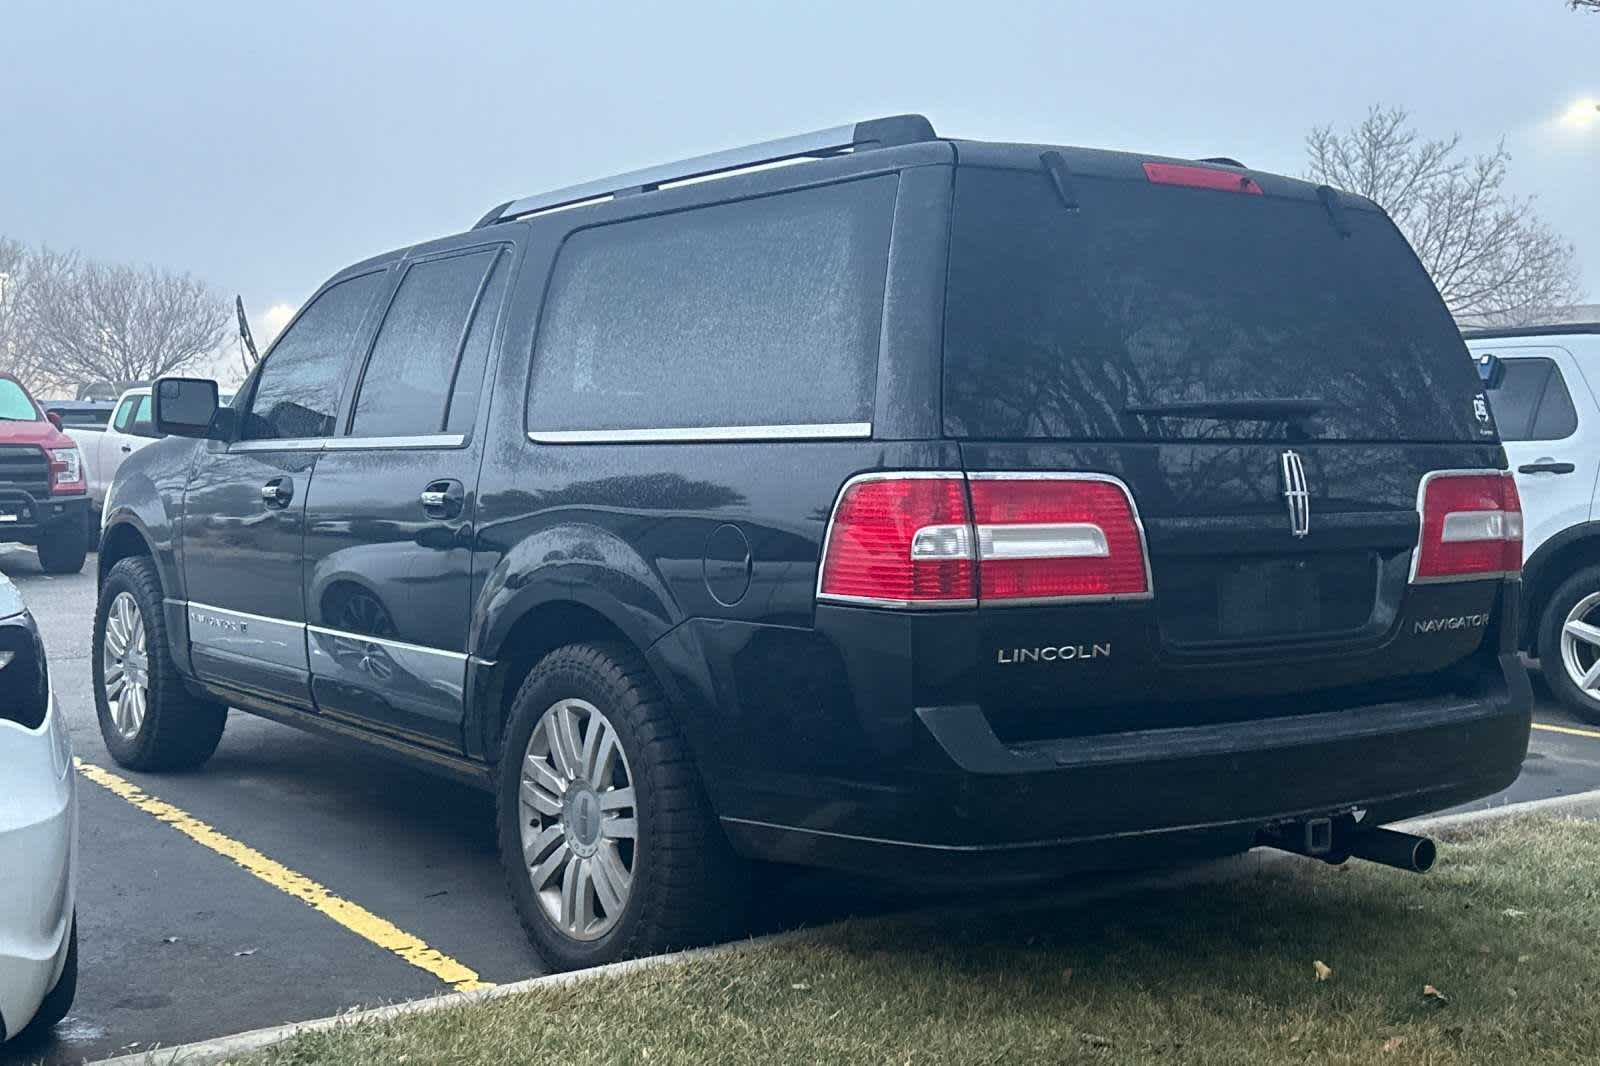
pixel 1546 466
pixel 443 499
pixel 278 492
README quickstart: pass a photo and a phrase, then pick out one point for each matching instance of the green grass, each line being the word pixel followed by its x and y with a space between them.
pixel 1507 928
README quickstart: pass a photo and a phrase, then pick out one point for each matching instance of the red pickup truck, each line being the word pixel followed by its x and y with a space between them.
pixel 43 492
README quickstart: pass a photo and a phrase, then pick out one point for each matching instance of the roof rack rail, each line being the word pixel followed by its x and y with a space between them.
pixel 873 133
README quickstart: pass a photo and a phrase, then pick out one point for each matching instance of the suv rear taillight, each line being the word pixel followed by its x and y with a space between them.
pixel 938 540
pixel 900 540
pixel 1054 537
pixel 1471 526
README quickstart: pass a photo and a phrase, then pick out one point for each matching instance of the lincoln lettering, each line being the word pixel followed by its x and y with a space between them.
pixel 1052 653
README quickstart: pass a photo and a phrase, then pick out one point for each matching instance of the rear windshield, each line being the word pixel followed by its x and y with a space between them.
pixel 14 403
pixel 1058 320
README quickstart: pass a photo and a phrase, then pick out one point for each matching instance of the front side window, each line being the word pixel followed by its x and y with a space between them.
pixel 124 419
pixel 14 403
pixel 414 358
pixel 1531 401
pixel 764 312
pixel 297 390
pixel 143 419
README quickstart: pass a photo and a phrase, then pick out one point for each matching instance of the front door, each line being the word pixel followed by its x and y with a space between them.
pixel 243 524
pixel 389 519
pixel 1547 418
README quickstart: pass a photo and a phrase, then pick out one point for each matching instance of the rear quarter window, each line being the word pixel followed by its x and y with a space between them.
pixel 764 312
pixel 1058 320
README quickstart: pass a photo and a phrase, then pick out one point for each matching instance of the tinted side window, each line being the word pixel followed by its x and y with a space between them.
pixel 143 419
pixel 1531 402
pixel 1517 394
pixel 124 418
pixel 297 389
pixel 762 312
pixel 1556 417
pixel 407 381
pixel 468 385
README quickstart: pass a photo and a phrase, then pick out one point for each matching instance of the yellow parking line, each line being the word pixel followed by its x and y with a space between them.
pixel 352 916
pixel 1567 729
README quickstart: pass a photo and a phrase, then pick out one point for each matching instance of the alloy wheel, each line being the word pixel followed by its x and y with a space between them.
pixel 126 661
pixel 579 822
pixel 1580 645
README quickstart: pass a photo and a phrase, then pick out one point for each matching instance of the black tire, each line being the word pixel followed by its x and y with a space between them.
pixel 687 888
pixel 180 730
pixel 64 548
pixel 1584 583
pixel 59 999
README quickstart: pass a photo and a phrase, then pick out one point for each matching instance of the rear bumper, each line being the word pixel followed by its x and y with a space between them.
pixel 33 518
pixel 1001 812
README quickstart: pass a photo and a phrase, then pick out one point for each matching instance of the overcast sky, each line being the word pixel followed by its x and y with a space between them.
pixel 263 146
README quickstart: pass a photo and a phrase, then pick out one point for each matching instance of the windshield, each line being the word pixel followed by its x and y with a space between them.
pixel 1155 313
pixel 14 403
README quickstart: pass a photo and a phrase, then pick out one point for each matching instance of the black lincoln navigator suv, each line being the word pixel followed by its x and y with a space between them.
pixel 865 499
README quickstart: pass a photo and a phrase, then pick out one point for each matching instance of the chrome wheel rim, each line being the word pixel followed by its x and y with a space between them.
pixel 580 827
pixel 1580 645
pixel 126 661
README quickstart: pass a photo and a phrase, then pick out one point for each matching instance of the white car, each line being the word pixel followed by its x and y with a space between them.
pixel 1543 384
pixel 38 835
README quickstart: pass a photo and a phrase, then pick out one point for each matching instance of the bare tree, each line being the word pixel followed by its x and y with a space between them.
pixel 1584 5
pixel 98 322
pixel 1494 260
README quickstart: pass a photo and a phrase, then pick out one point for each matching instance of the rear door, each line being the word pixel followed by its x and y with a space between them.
pixel 1551 428
pixel 390 513
pixel 1270 379
pixel 243 523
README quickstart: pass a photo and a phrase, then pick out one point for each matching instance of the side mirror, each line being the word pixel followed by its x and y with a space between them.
pixel 1491 371
pixel 185 407
pixel 55 419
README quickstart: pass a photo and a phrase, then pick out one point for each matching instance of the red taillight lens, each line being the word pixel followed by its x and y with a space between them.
pixel 1201 178
pixel 900 539
pixel 1471 526
pixel 909 540
pixel 1056 538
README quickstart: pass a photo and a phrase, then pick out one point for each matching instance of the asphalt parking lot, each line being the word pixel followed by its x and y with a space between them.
pixel 179 943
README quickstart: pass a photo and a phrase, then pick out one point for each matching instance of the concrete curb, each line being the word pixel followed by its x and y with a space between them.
pixel 1553 805
pixel 210 1051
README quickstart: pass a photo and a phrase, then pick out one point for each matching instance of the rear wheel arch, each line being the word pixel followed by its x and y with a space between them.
pixel 539 630
pixel 1555 561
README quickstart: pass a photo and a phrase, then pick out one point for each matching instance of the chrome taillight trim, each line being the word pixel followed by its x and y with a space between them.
pixel 994 475
pixel 827 539
pixel 1138 524
pixel 1422 499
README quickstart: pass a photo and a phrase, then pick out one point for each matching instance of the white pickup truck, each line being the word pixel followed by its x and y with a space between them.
pixel 130 429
